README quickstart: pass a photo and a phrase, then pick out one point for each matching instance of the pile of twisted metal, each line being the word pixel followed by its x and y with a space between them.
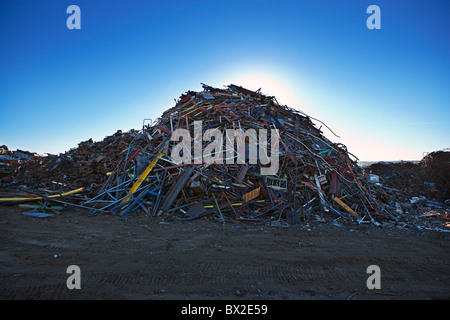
pixel 150 171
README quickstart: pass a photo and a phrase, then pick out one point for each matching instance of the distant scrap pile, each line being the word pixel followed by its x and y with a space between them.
pixel 429 178
pixel 84 166
pixel 135 171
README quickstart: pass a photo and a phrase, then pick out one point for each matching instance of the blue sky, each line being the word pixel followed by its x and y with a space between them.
pixel 384 92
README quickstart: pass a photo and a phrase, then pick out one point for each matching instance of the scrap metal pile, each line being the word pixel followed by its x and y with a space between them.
pixel 428 178
pixel 136 171
pixel 84 166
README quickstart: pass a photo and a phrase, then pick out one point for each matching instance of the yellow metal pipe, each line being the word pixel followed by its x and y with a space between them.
pixel 38 198
pixel 142 177
pixel 233 204
pixel 346 207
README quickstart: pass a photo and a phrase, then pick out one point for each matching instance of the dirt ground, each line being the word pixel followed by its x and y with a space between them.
pixel 139 257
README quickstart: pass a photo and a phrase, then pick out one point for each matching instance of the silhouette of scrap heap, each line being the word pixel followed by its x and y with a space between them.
pixel 134 171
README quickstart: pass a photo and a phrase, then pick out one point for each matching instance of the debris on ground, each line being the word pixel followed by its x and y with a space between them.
pixel 135 171
pixel 427 178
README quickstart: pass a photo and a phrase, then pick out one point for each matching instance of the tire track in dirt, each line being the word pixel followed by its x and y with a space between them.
pixel 190 272
pixel 204 261
pixel 36 291
pixel 195 273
